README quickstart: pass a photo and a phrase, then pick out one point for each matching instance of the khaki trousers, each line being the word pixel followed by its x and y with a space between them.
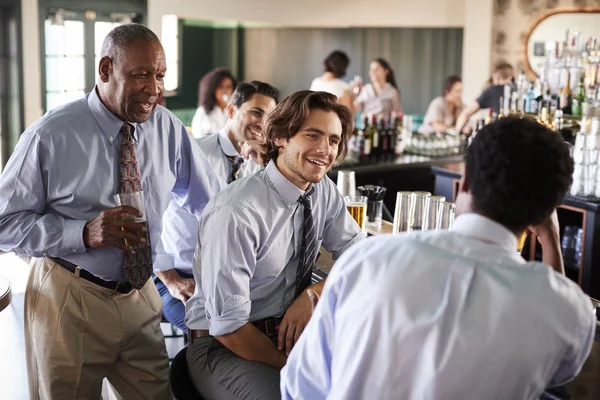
pixel 77 333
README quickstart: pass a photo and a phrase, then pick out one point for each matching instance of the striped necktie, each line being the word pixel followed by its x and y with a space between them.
pixel 137 268
pixel 236 164
pixel 308 251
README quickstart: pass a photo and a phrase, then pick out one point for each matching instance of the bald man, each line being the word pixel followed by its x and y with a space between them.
pixel 91 311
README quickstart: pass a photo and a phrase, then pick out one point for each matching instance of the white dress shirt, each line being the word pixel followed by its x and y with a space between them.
pixel 180 228
pixel 441 315
pixel 204 124
pixel 335 86
pixel 249 243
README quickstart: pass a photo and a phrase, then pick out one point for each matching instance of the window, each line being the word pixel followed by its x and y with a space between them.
pixel 169 39
pixel 65 62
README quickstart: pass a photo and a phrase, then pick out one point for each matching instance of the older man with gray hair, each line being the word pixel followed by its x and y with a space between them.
pixel 91 311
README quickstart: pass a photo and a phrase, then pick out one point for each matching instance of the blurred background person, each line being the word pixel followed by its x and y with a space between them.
pixel 214 92
pixel 490 98
pixel 335 66
pixel 382 94
pixel 443 111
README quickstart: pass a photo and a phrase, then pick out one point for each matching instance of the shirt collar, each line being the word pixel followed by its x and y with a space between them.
pixel 109 123
pixel 226 145
pixel 289 192
pixel 483 228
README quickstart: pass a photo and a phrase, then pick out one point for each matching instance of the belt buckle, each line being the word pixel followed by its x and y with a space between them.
pixel 271 327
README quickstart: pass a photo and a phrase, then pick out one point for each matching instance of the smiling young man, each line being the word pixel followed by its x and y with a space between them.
pixel 91 311
pixel 250 103
pixel 258 240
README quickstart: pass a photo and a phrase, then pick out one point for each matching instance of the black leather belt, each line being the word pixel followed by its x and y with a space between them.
pixel 119 287
pixel 268 326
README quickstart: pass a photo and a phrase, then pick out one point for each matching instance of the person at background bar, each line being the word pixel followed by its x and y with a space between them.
pixel 250 103
pixel 381 96
pixel 335 66
pixel 443 111
pixel 457 314
pixel 91 309
pixel 490 98
pixel 257 243
pixel 214 91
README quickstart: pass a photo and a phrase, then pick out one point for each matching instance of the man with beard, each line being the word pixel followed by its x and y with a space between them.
pixel 257 243
pixel 91 311
pixel 250 103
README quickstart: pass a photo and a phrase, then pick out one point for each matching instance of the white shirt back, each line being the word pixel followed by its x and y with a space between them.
pixel 441 315
pixel 336 86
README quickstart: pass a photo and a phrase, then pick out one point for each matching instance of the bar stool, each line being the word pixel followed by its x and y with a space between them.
pixel 182 387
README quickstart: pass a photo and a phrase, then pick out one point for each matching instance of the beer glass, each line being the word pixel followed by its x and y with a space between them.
pixel 521 241
pixel 357 207
pixel 135 200
pixel 420 211
pixel 346 183
pixel 402 212
pixel 434 211
pixel 447 212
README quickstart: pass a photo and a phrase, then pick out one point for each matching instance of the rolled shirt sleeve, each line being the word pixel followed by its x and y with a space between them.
pixel 226 259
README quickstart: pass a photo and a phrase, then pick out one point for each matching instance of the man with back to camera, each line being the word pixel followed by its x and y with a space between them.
pixel 490 98
pixel 91 310
pixel 457 314
pixel 249 105
pixel 253 271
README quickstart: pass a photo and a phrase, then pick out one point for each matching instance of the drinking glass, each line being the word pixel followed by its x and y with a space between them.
pixel 346 183
pixel 434 211
pixel 402 212
pixel 420 211
pixel 357 207
pixel 135 200
pixel 446 215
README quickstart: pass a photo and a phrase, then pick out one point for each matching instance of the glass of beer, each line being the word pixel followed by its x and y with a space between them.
pixel 357 207
pixel 135 200
pixel 521 241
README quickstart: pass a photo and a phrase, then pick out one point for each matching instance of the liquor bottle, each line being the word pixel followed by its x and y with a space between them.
pixel 398 137
pixel 370 139
pixel 384 138
pixel 501 110
pixel 579 99
pixel 566 96
pixel 531 101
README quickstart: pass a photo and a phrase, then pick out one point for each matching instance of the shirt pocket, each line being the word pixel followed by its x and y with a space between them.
pixel 157 192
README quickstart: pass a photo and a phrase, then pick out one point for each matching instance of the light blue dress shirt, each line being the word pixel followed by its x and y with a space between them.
pixel 65 171
pixel 441 315
pixel 180 228
pixel 250 236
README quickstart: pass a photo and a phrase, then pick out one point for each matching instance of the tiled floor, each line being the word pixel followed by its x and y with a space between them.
pixel 13 375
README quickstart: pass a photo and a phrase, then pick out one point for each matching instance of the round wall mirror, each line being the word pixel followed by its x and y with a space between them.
pixel 552 27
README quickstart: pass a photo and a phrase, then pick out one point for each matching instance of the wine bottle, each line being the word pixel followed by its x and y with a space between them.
pixel 566 96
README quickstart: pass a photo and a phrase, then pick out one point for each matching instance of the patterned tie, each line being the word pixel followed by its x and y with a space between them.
pixel 236 164
pixel 308 251
pixel 137 268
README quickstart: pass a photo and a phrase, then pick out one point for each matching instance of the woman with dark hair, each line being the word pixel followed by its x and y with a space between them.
pixel 335 66
pixel 214 92
pixel 382 94
pixel 443 111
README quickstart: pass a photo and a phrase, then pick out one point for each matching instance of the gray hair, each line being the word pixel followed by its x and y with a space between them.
pixel 122 36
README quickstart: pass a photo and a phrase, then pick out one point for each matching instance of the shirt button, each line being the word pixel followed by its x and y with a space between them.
pixel 74 250
pixel 45 254
pixel 110 139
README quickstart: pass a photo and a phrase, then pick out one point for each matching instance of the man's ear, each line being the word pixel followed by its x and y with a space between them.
pixel 463 185
pixel 231 109
pixel 105 68
pixel 279 142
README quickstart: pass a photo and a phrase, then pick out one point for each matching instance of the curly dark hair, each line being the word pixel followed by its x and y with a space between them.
pixel 337 63
pixel 246 90
pixel 518 171
pixel 208 86
pixel 289 115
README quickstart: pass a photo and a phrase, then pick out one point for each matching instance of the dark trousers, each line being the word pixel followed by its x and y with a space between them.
pixel 219 374
pixel 173 309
